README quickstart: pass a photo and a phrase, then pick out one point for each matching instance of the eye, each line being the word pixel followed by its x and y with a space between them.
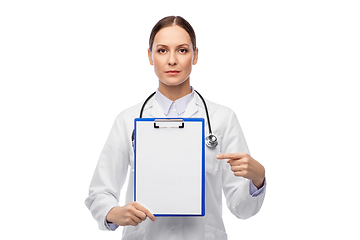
pixel 161 50
pixel 183 50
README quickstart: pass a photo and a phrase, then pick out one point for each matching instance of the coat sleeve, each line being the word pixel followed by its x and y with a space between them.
pixel 110 174
pixel 237 189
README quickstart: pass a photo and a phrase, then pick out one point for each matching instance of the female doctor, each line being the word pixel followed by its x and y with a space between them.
pixel 229 167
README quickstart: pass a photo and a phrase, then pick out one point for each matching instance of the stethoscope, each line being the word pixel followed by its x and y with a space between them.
pixel 210 141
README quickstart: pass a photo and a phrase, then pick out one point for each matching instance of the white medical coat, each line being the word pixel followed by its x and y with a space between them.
pixel 118 154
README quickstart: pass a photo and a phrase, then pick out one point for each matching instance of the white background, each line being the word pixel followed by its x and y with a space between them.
pixel 289 69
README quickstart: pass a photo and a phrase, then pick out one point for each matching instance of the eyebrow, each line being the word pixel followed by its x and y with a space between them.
pixel 163 45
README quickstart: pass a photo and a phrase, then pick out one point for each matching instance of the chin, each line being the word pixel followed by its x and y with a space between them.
pixel 173 82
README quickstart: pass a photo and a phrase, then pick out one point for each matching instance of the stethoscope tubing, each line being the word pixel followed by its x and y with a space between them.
pixel 206 110
pixel 209 141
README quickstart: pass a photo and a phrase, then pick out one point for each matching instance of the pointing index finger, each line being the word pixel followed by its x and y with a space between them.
pixel 230 156
pixel 226 156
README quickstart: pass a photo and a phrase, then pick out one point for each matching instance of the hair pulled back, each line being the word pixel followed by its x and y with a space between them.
pixel 171 21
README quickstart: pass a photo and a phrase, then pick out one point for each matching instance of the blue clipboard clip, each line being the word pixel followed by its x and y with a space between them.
pixel 179 123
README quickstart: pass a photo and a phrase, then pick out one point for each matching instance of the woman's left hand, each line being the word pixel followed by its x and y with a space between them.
pixel 243 165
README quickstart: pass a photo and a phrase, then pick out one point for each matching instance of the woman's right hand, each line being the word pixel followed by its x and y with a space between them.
pixel 130 214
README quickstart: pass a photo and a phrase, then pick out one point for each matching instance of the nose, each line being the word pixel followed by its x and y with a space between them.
pixel 172 59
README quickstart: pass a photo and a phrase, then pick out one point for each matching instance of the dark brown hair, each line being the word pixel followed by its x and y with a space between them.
pixel 171 21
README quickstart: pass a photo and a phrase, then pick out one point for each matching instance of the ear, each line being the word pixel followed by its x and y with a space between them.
pixel 196 53
pixel 150 57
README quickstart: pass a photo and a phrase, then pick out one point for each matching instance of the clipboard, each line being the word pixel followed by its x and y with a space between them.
pixel 169 166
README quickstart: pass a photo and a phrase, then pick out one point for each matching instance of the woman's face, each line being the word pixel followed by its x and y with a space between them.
pixel 172 55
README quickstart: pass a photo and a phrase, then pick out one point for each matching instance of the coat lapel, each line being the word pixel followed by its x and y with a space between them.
pixel 155 109
pixel 195 108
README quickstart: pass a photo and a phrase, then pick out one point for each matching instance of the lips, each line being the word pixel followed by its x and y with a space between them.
pixel 172 72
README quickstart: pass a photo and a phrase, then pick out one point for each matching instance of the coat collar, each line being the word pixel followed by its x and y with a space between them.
pixel 153 109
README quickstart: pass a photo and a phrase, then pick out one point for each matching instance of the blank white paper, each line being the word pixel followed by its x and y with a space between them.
pixel 169 168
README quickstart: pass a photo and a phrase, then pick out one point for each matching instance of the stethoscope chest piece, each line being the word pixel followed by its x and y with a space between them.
pixel 211 141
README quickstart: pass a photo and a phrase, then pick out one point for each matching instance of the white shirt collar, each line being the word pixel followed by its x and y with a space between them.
pixel 181 103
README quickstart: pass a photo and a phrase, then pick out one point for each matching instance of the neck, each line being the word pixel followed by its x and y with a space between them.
pixel 175 92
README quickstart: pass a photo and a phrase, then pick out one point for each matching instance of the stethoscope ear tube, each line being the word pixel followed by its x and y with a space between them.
pixel 141 112
pixel 210 141
pixel 143 106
